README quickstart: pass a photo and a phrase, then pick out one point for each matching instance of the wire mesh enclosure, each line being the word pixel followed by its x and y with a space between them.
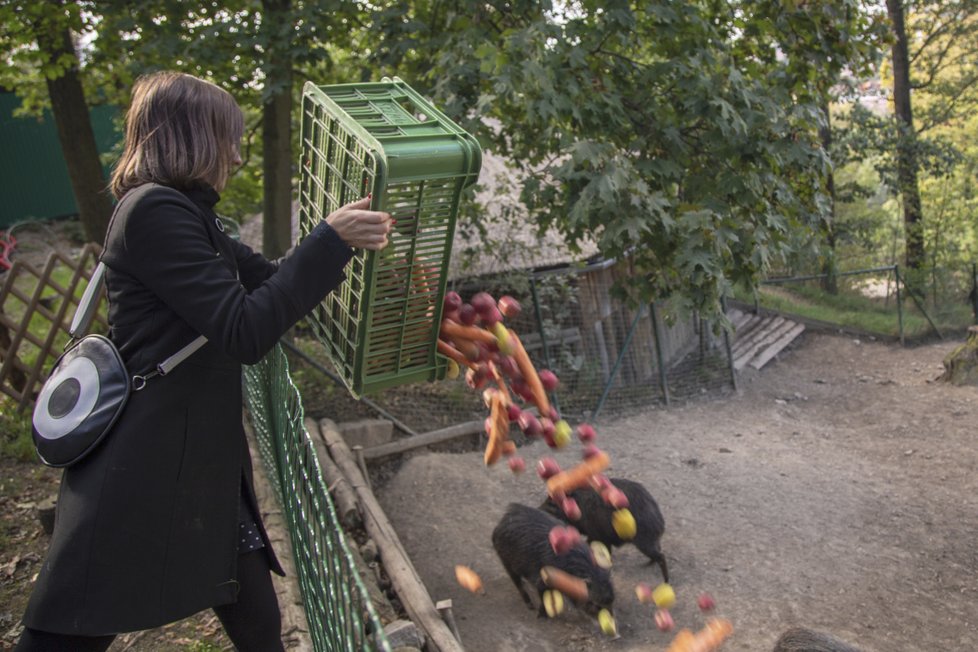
pixel 610 358
pixel 338 608
pixel 380 327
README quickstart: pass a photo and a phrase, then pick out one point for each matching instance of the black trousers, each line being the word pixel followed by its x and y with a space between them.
pixel 253 623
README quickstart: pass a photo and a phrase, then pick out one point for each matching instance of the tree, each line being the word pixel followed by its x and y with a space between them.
pixel 255 49
pixel 658 129
pixel 38 37
pixel 906 162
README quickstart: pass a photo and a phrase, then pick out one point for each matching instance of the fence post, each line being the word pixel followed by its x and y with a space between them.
pixel 663 378
pixel 728 347
pixel 899 303
pixel 543 333
pixel 621 356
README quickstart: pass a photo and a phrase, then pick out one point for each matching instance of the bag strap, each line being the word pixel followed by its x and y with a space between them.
pixel 85 313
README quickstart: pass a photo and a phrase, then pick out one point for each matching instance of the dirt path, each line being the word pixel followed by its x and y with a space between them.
pixel 838 490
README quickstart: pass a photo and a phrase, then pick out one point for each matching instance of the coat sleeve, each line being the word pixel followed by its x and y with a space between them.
pixel 253 268
pixel 165 246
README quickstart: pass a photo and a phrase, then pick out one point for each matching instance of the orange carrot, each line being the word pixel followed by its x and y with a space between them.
pixel 573 587
pixel 500 382
pixel 468 578
pixel 498 429
pixel 530 375
pixel 452 330
pixel 708 639
pixel 569 480
pixel 450 351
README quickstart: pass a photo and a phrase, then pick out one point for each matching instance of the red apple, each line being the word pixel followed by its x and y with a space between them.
pixel 467 314
pixel 615 497
pixel 529 424
pixel 517 464
pixel 491 317
pixel 513 411
pixel 507 366
pixel 483 303
pixel 570 508
pixel 548 379
pixel 586 433
pixel 453 301
pixel 547 467
pixel 509 306
pixel 477 378
pixel 706 602
pixel 560 541
pixel 590 450
pixel 663 620
pixel 547 427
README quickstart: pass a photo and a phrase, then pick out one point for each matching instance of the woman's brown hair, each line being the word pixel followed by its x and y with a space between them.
pixel 180 131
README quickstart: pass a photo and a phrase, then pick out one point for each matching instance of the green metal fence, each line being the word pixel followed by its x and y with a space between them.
pixel 338 608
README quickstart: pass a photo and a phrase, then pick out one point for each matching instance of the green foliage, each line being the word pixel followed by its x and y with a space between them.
pixel 15 433
pixel 658 130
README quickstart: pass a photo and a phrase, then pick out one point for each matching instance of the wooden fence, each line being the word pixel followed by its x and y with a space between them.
pixel 36 309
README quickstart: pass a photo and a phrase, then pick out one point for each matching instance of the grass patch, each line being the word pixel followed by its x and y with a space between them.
pixel 849 309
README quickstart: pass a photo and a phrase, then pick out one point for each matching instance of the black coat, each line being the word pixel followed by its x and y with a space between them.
pixel 146 526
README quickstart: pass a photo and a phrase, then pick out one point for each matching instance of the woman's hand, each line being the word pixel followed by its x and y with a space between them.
pixel 359 227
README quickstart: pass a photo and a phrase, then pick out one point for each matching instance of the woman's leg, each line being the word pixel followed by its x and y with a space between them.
pixel 33 640
pixel 254 622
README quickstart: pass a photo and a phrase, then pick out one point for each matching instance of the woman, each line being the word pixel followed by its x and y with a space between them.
pixel 160 521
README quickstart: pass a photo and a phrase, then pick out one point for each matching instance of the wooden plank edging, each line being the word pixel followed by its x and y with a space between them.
pixel 427 439
pixel 404 578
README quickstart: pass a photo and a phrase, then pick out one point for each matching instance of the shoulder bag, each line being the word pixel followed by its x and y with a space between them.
pixel 88 387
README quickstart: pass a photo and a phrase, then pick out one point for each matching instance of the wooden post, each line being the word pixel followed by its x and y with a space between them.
pixel 344 499
pixel 404 578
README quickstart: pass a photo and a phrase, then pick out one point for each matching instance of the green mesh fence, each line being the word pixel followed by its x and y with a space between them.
pixel 340 613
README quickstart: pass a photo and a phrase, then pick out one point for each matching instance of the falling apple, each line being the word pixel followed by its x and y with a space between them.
pixel 548 379
pixel 509 306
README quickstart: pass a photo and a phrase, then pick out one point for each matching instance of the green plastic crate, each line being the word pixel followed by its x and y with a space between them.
pixel 380 327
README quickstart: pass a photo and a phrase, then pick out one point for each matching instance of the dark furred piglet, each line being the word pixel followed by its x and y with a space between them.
pixel 800 639
pixel 595 521
pixel 521 540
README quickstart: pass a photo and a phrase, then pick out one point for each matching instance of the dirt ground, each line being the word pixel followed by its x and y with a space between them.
pixel 838 490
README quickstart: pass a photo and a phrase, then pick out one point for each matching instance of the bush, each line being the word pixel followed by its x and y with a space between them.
pixel 15 433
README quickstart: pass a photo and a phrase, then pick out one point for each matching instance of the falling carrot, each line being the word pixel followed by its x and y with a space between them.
pixel 468 579
pixel 716 631
pixel 573 587
pixel 569 480
pixel 450 351
pixel 530 375
pixel 498 429
pixel 453 330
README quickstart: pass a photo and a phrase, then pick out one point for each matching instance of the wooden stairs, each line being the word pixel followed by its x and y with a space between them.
pixel 758 338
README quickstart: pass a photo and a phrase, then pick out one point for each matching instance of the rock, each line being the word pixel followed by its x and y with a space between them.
pixel 367 432
pixel 961 364
pixel 45 513
pixel 404 633
pixel 369 551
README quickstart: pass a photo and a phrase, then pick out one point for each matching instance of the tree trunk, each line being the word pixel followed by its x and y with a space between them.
pixel 77 138
pixel 277 131
pixel 830 283
pixel 906 154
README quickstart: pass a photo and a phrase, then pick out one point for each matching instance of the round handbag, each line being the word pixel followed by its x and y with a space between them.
pixel 82 398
